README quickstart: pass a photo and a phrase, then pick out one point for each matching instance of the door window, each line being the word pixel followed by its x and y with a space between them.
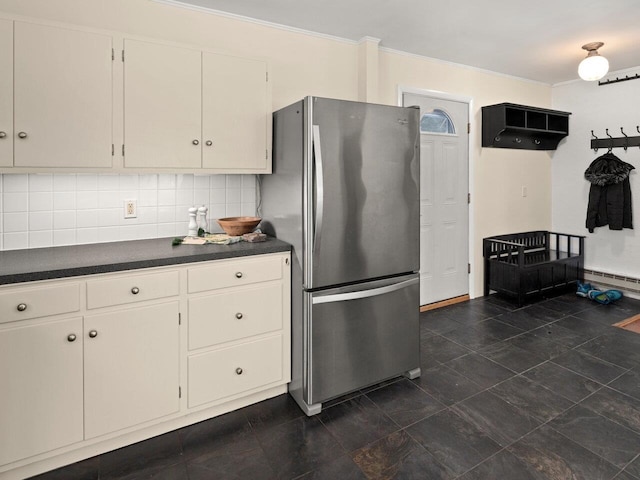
pixel 437 121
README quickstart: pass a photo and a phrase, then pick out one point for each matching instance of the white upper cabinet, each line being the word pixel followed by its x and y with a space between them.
pixel 236 114
pixel 62 97
pixel 189 109
pixel 6 93
pixel 162 106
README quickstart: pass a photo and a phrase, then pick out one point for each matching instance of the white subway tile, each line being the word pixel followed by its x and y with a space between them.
pixel 86 182
pixel 201 181
pixel 39 221
pixel 129 232
pixel 166 181
pixel 15 222
pixel 249 181
pixel 129 182
pixel 166 197
pixel 87 200
pixel 201 197
pixel 218 196
pixel 108 234
pixel 234 181
pixel 86 235
pixel 64 219
pixel 217 211
pixel 166 230
pixel 40 182
pixel 166 214
pixel 15 241
pixel 109 199
pixel 15 183
pixel 234 195
pixel 218 181
pixel 148 231
pixel 249 209
pixel 184 181
pixel 108 217
pixel 147 215
pixel 147 198
pixel 41 239
pixel 108 183
pixel 64 183
pixel 15 202
pixel 64 237
pixel 87 218
pixel 182 228
pixel 184 197
pixel 234 210
pixel 64 200
pixel 148 182
pixel 248 195
pixel 40 201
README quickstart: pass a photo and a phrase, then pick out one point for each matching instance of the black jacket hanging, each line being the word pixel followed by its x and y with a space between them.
pixel 610 193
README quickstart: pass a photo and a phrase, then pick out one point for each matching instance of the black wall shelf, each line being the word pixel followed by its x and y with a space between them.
pixel 508 125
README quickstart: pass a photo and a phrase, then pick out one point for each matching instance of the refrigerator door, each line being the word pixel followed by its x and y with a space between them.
pixel 362 186
pixel 360 335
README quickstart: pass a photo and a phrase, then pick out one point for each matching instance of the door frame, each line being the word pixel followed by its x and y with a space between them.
pixel 436 94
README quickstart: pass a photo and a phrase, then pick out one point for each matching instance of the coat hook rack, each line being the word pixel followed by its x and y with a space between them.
pixel 617 80
pixel 615 142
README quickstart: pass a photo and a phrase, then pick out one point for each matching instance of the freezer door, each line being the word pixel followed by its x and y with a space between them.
pixel 364 192
pixel 361 335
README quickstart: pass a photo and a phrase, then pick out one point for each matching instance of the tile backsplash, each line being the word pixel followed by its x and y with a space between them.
pixel 44 210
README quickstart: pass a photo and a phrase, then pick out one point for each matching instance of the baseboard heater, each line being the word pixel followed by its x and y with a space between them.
pixel 630 285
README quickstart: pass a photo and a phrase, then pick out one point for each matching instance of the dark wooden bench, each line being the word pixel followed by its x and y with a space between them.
pixel 532 263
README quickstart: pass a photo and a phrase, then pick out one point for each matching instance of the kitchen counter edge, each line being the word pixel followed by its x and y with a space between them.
pixel 19 266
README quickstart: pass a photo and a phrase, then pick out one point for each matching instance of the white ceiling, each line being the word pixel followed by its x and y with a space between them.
pixel 536 39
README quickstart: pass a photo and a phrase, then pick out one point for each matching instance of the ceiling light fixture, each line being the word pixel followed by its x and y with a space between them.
pixel 594 67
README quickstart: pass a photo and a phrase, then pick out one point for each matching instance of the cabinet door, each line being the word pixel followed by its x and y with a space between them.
pixel 235 114
pixel 131 369
pixel 41 378
pixel 162 106
pixel 6 93
pixel 63 97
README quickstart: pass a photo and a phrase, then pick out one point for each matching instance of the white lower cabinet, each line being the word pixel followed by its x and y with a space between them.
pixel 94 363
pixel 131 367
pixel 41 378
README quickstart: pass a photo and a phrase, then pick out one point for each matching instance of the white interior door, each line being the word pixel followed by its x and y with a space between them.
pixel 444 207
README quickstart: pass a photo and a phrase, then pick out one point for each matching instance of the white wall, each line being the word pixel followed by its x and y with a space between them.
pixel 596 108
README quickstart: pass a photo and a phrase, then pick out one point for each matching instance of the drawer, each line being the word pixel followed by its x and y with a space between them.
pixel 132 288
pixel 223 317
pixel 229 371
pixel 224 274
pixel 42 301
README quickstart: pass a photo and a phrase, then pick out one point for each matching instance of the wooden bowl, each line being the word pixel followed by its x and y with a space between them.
pixel 235 226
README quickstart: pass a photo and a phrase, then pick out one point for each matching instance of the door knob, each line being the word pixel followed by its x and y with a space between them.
pixel 239 315
pixel 22 134
pixel 22 307
pixel 71 337
pixel 238 274
pixel 93 333
pixel 135 290
pixel 196 142
pixel 3 134
pixel 238 371
pixel 208 143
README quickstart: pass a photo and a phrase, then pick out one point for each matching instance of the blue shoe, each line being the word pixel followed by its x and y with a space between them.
pixel 583 289
pixel 598 296
pixel 613 295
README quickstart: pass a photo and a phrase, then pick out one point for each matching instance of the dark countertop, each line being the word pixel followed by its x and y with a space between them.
pixel 28 265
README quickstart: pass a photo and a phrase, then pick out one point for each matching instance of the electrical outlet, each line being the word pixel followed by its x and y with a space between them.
pixel 130 209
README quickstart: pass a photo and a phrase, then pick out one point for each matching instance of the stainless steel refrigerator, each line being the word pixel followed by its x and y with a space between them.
pixel 345 193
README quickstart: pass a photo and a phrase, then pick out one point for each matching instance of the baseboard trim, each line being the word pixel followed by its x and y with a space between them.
pixel 444 303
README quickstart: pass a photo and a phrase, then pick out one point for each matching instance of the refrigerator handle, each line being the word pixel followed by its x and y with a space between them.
pixel 374 292
pixel 319 190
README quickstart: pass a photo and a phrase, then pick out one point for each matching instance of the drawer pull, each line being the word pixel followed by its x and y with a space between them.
pixel 93 333
pixel 71 337
pixel 22 134
pixel 135 290
pixel 3 134
pixel 238 371
pixel 22 307
pixel 239 315
pixel 238 274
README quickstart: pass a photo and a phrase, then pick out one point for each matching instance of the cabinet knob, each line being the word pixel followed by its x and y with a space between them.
pixel 238 274
pixel 93 333
pixel 238 371
pixel 3 134
pixel 22 134
pixel 135 290
pixel 208 143
pixel 239 315
pixel 71 337
pixel 196 142
pixel 22 307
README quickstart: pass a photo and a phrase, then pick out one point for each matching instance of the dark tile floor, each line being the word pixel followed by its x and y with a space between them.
pixel 548 391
